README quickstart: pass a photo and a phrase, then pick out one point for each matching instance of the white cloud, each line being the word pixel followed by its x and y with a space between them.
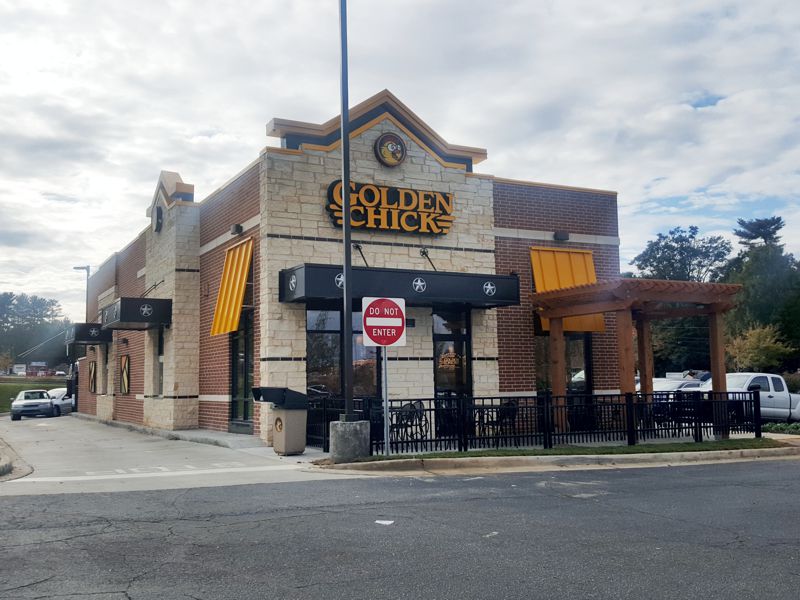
pixel 98 97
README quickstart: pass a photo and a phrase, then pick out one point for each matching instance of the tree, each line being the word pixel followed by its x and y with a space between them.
pixel 768 278
pixel 758 349
pixel 789 325
pixel 26 321
pixel 681 255
pixel 766 230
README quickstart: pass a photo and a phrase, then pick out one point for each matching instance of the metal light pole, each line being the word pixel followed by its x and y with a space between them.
pixel 85 268
pixel 347 300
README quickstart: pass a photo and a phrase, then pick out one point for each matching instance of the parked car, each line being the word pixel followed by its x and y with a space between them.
pixel 60 374
pixel 776 402
pixel 663 384
pixel 33 403
pixel 62 400
pixel 669 399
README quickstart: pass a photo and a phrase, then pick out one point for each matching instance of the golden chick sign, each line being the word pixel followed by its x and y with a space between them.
pixel 392 208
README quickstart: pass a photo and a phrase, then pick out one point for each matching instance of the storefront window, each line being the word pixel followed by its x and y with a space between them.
pixel 324 356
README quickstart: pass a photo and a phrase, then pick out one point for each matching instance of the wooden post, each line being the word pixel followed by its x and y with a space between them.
pixel 558 372
pixel 627 383
pixel 716 339
pixel 644 341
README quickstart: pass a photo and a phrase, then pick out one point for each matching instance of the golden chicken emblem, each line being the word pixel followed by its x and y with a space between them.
pixel 390 149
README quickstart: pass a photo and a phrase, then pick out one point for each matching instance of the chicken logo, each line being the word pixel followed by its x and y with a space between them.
pixel 390 149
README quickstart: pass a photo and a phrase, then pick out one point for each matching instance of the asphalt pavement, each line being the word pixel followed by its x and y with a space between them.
pixel 711 531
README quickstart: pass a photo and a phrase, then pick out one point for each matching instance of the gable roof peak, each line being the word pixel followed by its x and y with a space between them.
pixel 296 133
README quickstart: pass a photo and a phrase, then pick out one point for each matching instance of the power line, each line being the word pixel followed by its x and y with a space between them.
pixel 29 350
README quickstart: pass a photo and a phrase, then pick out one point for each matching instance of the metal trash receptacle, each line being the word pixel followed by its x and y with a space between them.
pixel 290 411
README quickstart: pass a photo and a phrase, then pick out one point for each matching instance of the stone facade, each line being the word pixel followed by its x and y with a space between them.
pixel 173 271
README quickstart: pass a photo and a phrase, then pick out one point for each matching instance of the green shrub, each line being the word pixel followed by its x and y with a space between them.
pixel 793 428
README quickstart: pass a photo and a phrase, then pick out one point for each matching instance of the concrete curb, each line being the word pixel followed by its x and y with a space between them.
pixel 6 466
pixel 185 436
pixel 524 462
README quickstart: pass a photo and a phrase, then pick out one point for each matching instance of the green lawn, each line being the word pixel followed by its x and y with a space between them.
pixel 737 444
pixel 11 386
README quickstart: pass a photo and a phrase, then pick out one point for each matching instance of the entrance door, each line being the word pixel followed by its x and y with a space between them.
pixel 452 353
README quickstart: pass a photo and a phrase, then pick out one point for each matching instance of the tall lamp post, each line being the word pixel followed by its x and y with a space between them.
pixel 85 268
pixel 347 300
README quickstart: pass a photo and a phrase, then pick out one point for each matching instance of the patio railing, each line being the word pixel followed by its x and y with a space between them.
pixel 461 424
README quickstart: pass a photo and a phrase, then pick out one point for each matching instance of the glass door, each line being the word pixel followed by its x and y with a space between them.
pixel 452 353
pixel 242 376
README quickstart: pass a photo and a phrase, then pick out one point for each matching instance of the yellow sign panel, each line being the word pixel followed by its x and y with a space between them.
pixel 392 209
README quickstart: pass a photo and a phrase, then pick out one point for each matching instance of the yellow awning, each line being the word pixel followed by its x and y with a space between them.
pixel 557 268
pixel 232 288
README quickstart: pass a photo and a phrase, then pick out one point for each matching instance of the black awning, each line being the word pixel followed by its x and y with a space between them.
pixel 419 288
pixel 87 334
pixel 137 313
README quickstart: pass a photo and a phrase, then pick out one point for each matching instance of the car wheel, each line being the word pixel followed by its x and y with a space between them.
pixel 16 417
pixel 56 411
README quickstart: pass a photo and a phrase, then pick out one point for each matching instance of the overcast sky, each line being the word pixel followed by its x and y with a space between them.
pixel 690 110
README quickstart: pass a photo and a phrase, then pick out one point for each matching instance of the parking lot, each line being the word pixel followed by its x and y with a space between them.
pixel 70 455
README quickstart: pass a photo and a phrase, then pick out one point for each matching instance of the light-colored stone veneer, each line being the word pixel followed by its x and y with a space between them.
pixel 173 264
pixel 105 407
pixel 293 202
pixel 171 413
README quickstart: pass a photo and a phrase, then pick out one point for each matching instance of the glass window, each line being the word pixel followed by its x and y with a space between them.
pixel 447 323
pixel 324 320
pixel 324 356
pixel 777 384
pixel 365 367
pixel 762 381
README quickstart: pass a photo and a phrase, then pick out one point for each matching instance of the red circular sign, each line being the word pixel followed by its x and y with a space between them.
pixel 384 322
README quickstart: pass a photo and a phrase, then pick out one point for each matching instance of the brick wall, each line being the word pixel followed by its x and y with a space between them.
pixel 544 208
pixel 127 407
pixel 101 280
pixel 87 401
pixel 214 415
pixel 234 203
pixel 551 208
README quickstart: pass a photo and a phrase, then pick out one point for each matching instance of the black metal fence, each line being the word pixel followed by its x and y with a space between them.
pixel 444 424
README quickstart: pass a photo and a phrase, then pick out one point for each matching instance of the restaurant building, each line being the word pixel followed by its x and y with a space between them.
pixel 243 288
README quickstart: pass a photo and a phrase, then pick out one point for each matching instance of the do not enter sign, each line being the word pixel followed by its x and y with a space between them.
pixel 384 321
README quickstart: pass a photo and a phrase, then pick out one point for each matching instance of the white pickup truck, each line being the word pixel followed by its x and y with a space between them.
pixel 777 404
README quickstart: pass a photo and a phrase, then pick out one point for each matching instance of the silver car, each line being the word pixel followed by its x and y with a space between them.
pixel 33 403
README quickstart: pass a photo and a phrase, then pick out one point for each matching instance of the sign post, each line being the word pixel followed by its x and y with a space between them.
pixel 384 325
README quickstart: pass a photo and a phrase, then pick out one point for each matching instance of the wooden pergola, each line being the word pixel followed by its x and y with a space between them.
pixel 638 301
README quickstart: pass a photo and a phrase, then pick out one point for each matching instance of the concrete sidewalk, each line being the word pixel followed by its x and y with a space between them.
pixel 314 456
pixel 223 439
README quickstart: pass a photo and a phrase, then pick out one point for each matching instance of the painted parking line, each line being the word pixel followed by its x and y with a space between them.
pixel 159 473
